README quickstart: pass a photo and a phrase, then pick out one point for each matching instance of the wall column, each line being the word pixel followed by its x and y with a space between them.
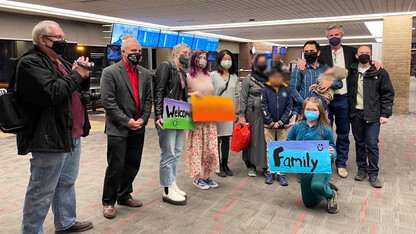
pixel 397 39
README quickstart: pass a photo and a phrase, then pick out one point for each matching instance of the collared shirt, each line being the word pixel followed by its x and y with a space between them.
pixel 360 88
pixel 339 60
pixel 76 107
pixel 134 80
pixel 299 87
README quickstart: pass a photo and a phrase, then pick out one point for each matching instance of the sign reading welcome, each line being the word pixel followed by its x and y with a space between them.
pixel 177 115
pixel 299 157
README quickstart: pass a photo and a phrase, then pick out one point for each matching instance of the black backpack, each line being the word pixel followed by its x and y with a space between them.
pixel 13 116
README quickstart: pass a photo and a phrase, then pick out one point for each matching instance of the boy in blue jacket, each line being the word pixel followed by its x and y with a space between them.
pixel 277 106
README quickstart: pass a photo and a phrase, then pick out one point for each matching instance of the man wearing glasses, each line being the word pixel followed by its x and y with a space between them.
pixel 49 88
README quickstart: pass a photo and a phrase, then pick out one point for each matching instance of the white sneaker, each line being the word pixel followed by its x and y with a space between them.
pixel 178 190
pixel 173 198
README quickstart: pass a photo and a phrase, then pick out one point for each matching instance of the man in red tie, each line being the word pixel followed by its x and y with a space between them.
pixel 126 97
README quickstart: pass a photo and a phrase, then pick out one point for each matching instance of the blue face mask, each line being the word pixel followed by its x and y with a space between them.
pixel 311 116
pixel 335 41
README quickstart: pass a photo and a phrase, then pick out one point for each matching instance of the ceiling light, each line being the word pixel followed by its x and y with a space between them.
pixel 293 21
pixel 375 28
pixel 313 39
pixel 222 37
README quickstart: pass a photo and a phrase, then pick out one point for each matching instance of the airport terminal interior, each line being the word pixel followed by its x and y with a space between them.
pixel 241 203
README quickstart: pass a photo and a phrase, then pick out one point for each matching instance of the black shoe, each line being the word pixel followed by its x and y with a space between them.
pixel 78 227
pixel 333 203
pixel 222 172
pixel 227 170
pixel 375 182
pixel 360 176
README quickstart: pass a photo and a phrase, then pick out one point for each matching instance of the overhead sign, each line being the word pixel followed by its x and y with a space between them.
pixel 299 157
pixel 177 115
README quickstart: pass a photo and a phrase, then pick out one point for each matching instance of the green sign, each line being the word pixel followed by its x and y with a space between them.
pixel 177 115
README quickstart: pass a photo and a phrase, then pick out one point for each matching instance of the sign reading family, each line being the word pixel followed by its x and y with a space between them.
pixel 299 157
pixel 177 115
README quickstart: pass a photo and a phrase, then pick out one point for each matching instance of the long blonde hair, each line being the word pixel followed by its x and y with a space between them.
pixel 322 119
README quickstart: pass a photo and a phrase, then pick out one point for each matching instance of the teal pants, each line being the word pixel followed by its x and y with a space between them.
pixel 314 187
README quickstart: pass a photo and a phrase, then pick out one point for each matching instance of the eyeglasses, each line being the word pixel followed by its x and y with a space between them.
pixel 59 37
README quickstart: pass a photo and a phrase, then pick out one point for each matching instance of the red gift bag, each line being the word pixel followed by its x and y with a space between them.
pixel 241 137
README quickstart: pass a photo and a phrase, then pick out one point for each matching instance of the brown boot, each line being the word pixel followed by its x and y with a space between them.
pixel 131 202
pixel 109 212
pixel 78 226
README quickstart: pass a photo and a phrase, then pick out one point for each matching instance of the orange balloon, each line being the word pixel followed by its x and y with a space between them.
pixel 212 109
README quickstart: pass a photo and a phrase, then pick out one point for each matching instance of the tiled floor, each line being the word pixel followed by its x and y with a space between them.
pixel 240 204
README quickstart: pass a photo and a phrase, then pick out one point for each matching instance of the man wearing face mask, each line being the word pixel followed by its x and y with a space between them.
pixel 49 88
pixel 126 98
pixel 371 97
pixel 301 81
pixel 171 83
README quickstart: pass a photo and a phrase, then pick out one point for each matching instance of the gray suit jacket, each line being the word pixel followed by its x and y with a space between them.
pixel 118 99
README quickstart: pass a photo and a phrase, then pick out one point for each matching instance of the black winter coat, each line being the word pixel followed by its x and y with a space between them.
pixel 378 93
pixel 46 96
pixel 168 85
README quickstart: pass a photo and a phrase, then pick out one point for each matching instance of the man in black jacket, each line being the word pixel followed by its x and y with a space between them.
pixel 49 88
pixel 371 97
pixel 127 100
pixel 343 56
pixel 171 83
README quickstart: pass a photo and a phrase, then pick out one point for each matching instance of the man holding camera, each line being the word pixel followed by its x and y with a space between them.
pixel 50 90
pixel 126 97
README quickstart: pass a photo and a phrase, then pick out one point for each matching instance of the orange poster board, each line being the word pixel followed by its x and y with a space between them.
pixel 212 109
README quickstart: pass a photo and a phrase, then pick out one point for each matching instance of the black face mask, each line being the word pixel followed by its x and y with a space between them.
pixel 135 58
pixel 310 57
pixel 184 58
pixel 364 58
pixel 59 47
pixel 261 67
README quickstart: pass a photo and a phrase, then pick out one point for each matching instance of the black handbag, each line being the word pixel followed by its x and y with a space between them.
pixel 13 116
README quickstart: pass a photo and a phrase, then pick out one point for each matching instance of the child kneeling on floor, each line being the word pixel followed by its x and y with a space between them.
pixel 276 103
pixel 313 124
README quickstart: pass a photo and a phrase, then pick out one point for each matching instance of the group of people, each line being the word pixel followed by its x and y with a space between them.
pixel 50 89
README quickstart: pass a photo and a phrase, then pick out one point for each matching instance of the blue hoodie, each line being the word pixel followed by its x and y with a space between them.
pixel 302 132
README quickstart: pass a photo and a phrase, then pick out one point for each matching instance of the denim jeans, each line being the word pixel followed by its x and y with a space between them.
pixel 339 108
pixel 170 142
pixel 366 144
pixel 52 181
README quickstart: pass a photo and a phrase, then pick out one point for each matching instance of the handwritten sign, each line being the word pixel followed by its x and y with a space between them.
pixel 299 157
pixel 177 115
pixel 212 109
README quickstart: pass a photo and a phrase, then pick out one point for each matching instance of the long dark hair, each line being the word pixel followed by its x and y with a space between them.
pixel 194 66
pixel 255 60
pixel 218 59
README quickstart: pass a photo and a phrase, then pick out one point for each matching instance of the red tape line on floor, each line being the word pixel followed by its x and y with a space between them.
pixel 226 208
pixel 363 210
pixel 299 222
pixel 133 215
pixel 373 229
pixel 409 155
pixel 298 203
pixel 217 228
pixel 239 186
pixel 378 194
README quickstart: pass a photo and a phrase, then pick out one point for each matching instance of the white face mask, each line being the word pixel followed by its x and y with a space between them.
pixel 226 64
pixel 202 63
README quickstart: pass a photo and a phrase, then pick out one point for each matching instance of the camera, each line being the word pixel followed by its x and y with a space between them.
pixel 87 97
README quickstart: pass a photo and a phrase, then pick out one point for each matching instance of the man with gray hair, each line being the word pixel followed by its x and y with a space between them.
pixel 126 98
pixel 336 54
pixel 50 89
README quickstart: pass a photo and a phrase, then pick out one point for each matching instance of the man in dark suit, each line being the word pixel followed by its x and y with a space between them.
pixel 126 97
pixel 336 54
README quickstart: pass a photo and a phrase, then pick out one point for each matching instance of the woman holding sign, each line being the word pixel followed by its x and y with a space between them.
pixel 250 112
pixel 225 83
pixel 170 83
pixel 201 143
pixel 313 124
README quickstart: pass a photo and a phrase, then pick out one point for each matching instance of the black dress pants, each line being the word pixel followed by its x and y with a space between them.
pixel 124 154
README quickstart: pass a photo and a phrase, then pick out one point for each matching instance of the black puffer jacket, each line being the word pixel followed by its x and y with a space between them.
pixel 168 85
pixel 46 96
pixel 378 93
